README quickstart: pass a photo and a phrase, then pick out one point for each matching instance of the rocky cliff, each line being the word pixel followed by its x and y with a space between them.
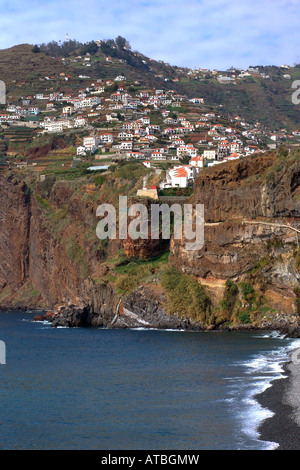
pixel 46 254
pixel 252 230
pixel 249 265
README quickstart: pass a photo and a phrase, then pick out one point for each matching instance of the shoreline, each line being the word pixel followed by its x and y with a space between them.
pixel 282 427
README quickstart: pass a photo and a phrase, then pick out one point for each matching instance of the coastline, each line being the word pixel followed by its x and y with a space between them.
pixel 283 399
pixel 280 399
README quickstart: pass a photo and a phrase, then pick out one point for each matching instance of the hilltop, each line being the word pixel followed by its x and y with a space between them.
pixel 260 94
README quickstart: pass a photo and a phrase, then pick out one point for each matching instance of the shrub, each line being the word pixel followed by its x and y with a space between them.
pixel 130 171
pixel 248 292
pixel 244 317
pixel 126 284
pixel 35 49
pixel 297 300
pixel 43 203
pixel 186 296
pixel 99 179
pixel 230 295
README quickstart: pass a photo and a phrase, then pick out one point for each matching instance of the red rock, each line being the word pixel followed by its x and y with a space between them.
pixel 49 315
pixel 39 318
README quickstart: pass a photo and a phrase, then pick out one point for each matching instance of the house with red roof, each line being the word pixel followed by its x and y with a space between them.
pixel 197 161
pixel 179 177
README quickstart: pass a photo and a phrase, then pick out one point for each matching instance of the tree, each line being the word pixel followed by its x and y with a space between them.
pixel 110 42
pixel 52 48
pixel 106 48
pixel 90 48
pixel 69 47
pixel 35 49
pixel 121 42
pixel 65 49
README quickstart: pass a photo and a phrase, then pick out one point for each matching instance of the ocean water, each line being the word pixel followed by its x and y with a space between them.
pixel 76 388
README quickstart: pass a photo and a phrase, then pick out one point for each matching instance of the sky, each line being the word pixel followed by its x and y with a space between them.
pixel 214 34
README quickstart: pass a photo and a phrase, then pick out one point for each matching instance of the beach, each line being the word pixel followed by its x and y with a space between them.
pixel 283 399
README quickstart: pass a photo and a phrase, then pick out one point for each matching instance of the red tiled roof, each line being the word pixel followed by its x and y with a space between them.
pixel 181 172
pixel 197 158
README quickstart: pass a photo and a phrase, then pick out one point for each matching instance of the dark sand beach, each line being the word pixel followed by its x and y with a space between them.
pixel 283 399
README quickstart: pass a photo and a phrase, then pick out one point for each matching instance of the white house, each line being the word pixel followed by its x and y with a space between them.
pixel 106 138
pixel 197 161
pixel 150 138
pixel 152 128
pixel 186 150
pixel 145 120
pixel 157 155
pixel 67 110
pixel 169 131
pixel 53 126
pixel 137 155
pixel 126 145
pixel 81 151
pixel 177 141
pixel 235 147
pixel 179 177
pixel 91 143
pixel 34 111
pixel 80 121
pixel 120 78
pixel 209 154
pixel 197 100
pixel 125 135
pixel 87 102
pixel 127 126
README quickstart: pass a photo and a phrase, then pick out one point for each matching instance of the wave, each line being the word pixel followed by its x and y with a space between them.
pixel 141 328
pixel 43 322
pixel 273 335
pixel 260 371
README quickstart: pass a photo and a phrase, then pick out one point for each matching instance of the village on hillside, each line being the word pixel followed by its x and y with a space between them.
pixel 118 119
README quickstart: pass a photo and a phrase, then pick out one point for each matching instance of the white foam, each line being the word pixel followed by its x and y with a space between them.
pixel 261 370
pixel 272 335
pixel 141 328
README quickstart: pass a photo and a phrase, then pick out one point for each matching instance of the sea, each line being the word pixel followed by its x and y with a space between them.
pixel 134 389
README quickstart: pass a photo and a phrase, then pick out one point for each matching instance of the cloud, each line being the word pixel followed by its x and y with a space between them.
pixel 206 33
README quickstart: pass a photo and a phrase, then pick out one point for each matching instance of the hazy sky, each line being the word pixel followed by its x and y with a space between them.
pixel 193 33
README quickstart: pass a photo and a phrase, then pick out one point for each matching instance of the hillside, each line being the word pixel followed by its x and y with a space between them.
pixel 254 98
pixel 82 128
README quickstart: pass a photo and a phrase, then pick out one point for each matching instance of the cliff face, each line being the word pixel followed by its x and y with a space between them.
pixel 261 186
pixel 46 254
pixel 51 257
pixel 15 211
pixel 249 206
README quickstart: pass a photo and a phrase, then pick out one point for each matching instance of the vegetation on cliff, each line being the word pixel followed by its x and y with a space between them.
pixel 186 297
